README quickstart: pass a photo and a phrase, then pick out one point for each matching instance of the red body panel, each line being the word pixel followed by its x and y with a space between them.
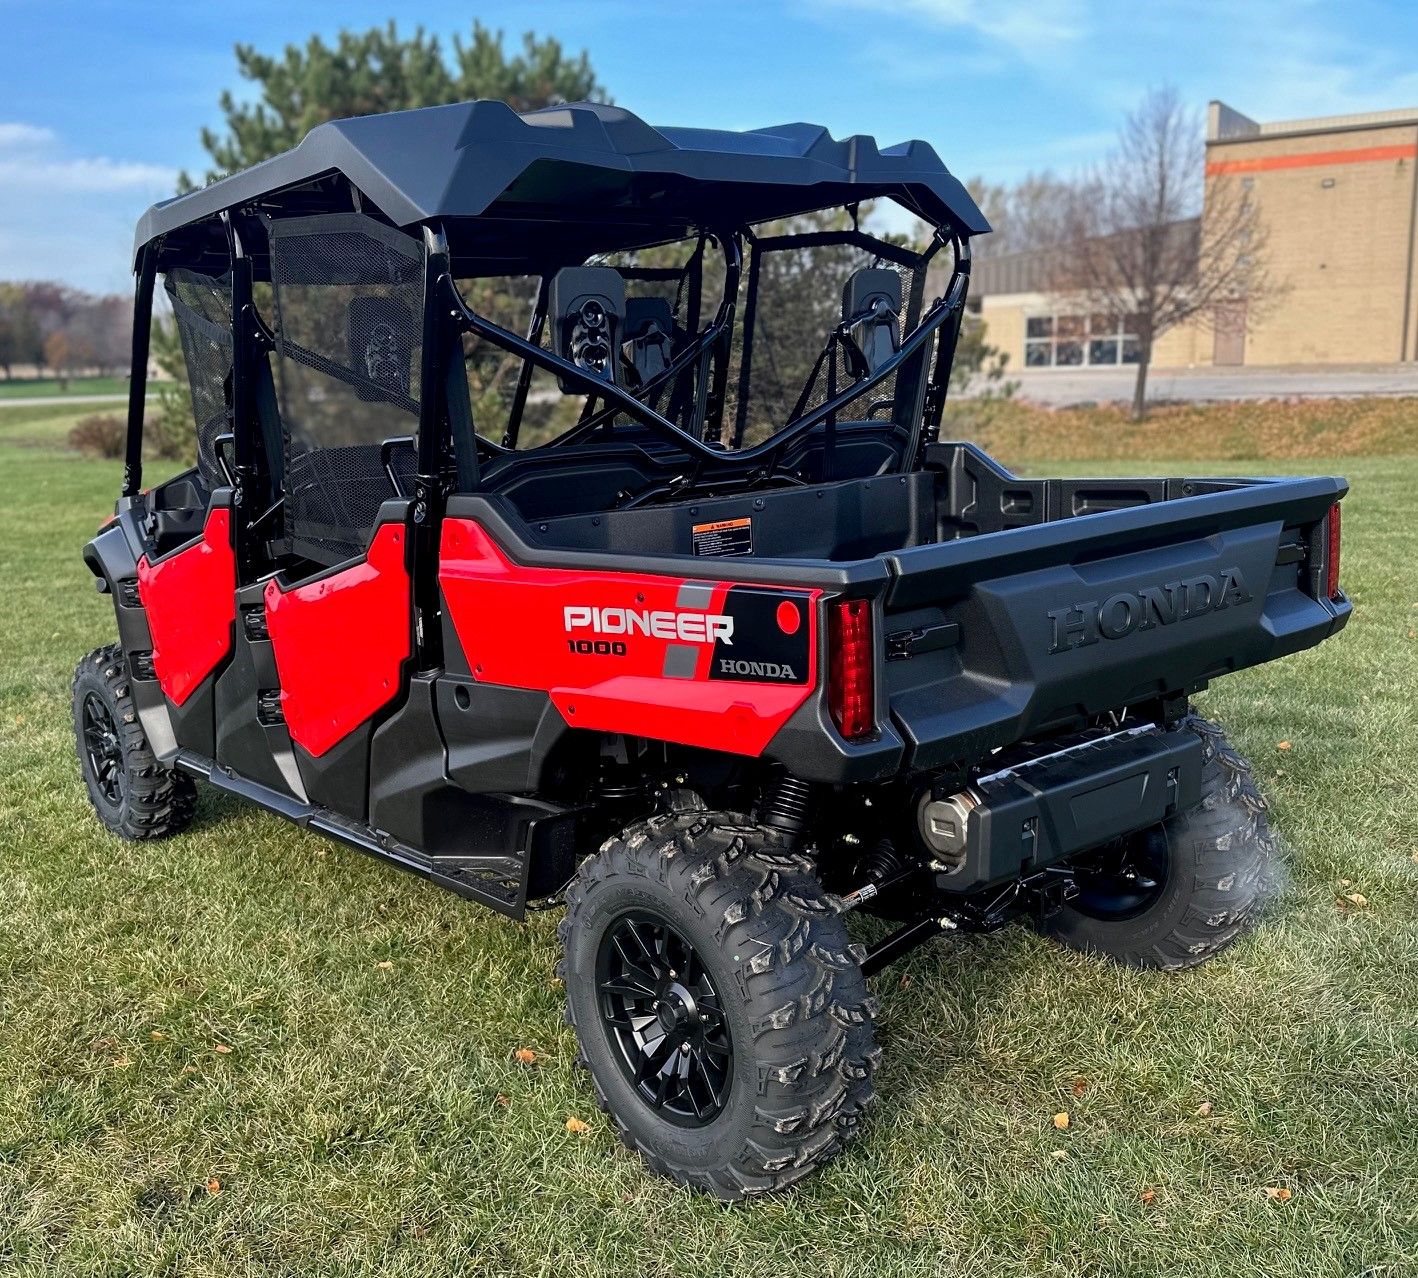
pixel 513 623
pixel 339 642
pixel 190 599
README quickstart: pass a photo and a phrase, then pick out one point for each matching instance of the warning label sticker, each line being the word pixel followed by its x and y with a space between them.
pixel 723 537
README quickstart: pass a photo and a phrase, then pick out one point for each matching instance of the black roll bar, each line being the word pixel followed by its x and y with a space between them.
pixel 524 374
pixel 695 351
pixel 943 309
pixel 138 370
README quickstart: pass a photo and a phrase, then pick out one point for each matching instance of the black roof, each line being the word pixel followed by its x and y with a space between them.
pixel 475 159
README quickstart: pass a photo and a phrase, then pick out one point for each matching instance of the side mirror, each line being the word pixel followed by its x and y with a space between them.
pixel 380 336
pixel 871 310
pixel 588 311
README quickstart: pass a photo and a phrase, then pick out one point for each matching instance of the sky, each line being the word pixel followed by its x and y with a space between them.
pixel 102 103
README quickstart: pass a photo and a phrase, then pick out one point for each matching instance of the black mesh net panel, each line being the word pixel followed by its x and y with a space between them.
pixel 798 305
pixel 348 295
pixel 201 305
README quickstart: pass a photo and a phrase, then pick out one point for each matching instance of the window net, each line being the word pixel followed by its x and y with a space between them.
pixel 348 297
pixel 201 305
pixel 797 303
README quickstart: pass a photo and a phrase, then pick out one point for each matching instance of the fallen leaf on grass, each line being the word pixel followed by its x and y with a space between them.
pixel 1058 1155
pixel 1204 1110
pixel 525 1056
pixel 214 1186
pixel 385 966
pixel 1357 898
pixel 1278 1193
pixel 222 1049
pixel 1149 1196
pixel 1080 1085
pixel 1061 1120
pixel 577 1126
pixel 1282 745
pixel 156 1035
pixel 500 1099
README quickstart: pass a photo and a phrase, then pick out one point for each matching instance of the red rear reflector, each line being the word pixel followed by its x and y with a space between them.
pixel 1332 559
pixel 851 687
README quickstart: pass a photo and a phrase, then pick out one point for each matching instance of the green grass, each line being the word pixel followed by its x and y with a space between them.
pixel 46 424
pixel 28 388
pixel 373 1121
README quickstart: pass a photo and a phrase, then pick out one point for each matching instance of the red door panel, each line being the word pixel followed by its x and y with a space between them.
pixel 190 599
pixel 339 642
pixel 706 663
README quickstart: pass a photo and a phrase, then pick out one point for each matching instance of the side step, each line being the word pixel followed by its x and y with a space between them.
pixel 497 878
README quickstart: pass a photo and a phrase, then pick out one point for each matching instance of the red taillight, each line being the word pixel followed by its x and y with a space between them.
pixel 851 686
pixel 1332 558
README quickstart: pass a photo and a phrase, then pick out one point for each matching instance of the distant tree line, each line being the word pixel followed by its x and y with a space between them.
pixel 62 331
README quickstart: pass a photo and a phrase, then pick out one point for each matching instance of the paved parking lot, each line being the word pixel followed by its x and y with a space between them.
pixel 1062 387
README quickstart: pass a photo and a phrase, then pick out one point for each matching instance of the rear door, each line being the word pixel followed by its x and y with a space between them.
pixel 338 613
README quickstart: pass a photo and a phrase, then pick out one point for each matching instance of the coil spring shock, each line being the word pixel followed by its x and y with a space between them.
pixel 785 805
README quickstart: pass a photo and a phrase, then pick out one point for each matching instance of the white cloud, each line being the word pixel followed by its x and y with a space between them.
pixel 1034 29
pixel 15 136
pixel 70 217
pixel 32 159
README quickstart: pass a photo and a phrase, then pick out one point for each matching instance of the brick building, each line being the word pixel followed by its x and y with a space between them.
pixel 1339 199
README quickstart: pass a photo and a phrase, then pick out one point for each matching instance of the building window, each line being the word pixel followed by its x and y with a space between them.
pixel 1078 341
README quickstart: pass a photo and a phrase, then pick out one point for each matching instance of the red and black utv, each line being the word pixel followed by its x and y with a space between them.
pixel 571 522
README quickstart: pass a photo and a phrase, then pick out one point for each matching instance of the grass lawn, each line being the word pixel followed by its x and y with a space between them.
pixel 27 388
pixel 369 1117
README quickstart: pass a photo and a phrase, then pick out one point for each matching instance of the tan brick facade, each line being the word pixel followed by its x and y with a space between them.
pixel 1339 200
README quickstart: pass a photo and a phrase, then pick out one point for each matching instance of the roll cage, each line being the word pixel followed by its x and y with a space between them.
pixel 447 431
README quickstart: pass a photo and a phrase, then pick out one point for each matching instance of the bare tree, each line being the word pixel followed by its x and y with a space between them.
pixel 1151 244
pixel 1029 214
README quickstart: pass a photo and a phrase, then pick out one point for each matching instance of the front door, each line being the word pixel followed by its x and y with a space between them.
pixel 1229 329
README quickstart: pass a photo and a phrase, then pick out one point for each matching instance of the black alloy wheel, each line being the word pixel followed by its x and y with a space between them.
pixel 665 1019
pixel 1177 894
pixel 103 751
pixel 133 795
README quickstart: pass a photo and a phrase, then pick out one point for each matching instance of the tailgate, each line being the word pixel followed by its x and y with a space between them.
pixel 994 638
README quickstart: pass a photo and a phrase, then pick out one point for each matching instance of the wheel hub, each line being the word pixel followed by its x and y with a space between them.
pixel 102 749
pixel 662 1014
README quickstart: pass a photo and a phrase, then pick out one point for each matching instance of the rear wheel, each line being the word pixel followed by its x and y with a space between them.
pixel 722 1014
pixel 133 794
pixel 1173 895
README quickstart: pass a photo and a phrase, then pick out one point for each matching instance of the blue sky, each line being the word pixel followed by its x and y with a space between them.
pixel 101 103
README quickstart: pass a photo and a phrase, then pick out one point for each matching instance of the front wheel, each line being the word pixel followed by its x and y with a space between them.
pixel 132 793
pixel 722 1014
pixel 1175 894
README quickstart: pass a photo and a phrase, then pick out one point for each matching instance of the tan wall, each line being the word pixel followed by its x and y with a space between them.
pixel 1342 250
pixel 1004 326
pixel 1182 347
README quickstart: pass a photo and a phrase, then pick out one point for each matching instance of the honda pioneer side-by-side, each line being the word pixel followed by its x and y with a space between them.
pixel 572 524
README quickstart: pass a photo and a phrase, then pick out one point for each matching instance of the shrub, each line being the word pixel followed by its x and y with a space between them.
pixel 101 435
pixel 168 432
